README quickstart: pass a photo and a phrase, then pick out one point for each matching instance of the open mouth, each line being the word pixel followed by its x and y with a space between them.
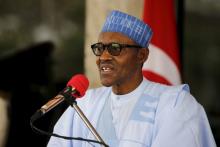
pixel 106 69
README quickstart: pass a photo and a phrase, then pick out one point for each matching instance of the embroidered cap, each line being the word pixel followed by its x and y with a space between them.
pixel 130 26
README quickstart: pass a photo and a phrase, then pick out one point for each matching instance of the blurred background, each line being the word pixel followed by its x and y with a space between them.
pixel 44 42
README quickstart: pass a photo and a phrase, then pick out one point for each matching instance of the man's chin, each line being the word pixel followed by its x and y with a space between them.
pixel 106 83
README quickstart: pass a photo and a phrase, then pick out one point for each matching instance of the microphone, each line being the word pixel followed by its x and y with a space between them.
pixel 76 88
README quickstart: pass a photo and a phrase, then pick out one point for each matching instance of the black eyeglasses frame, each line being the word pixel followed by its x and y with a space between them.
pixel 111 49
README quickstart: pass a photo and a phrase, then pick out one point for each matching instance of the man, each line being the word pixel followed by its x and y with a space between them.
pixel 129 110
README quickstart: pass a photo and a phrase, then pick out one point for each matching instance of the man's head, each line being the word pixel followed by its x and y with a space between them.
pixel 121 51
pixel 130 26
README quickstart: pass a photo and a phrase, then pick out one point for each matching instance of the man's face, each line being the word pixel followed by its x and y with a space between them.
pixel 121 70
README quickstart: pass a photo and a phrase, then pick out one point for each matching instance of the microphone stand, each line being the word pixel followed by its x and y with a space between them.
pixel 71 100
pixel 88 124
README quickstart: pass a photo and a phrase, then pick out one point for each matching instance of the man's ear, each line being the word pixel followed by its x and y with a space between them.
pixel 143 54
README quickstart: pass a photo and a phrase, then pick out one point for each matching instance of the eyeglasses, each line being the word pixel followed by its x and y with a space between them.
pixel 113 48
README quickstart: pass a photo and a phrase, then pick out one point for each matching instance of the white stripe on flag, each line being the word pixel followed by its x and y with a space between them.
pixel 160 63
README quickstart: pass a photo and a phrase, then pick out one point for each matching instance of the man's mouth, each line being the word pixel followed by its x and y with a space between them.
pixel 106 69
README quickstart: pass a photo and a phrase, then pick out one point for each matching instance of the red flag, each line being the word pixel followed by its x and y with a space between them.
pixel 163 63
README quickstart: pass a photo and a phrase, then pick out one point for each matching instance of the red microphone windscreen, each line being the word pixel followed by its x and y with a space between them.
pixel 80 83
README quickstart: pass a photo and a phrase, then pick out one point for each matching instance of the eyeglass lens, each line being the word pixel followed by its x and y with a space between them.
pixel 113 48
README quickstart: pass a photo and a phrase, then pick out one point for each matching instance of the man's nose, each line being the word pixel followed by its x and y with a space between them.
pixel 105 55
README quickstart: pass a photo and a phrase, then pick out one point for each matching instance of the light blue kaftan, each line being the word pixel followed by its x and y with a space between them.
pixel 153 115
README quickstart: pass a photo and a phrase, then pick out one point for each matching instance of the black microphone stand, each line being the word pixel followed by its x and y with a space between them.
pixel 72 102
